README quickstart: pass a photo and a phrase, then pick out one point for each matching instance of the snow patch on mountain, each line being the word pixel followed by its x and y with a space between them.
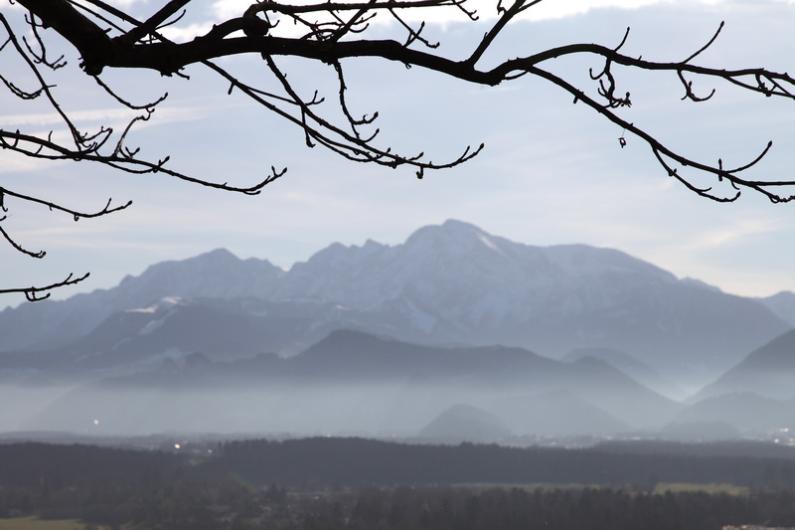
pixel 486 240
pixel 154 308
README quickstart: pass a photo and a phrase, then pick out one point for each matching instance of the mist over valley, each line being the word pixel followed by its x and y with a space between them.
pixel 455 335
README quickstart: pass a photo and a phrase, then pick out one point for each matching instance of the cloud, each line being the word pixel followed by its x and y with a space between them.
pixel 123 4
pixel 720 237
pixel 186 33
pixel 486 9
pixel 551 173
pixel 223 9
pixel 162 115
pixel 16 163
pixel 551 9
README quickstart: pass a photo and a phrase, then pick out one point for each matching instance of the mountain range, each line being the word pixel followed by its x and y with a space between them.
pixel 454 333
pixel 449 284
pixel 354 382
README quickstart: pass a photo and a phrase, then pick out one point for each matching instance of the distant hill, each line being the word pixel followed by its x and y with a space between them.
pixel 479 372
pixel 638 370
pixel 446 284
pixel 755 396
pixel 464 423
pixel 743 411
pixel 354 382
pixel 783 305
pixel 768 371
pixel 558 413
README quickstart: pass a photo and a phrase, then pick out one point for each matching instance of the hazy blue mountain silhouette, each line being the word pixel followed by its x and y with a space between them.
pixel 782 304
pixel 174 328
pixel 465 423
pixel 450 284
pixel 636 369
pixel 768 371
pixel 393 380
pixel 747 412
pixel 216 274
pixel 559 413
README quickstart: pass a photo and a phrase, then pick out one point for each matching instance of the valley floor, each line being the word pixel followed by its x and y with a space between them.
pixel 357 484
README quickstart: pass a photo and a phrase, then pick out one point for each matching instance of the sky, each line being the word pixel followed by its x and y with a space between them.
pixel 551 173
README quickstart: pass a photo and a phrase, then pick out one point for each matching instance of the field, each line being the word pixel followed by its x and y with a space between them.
pixel 31 523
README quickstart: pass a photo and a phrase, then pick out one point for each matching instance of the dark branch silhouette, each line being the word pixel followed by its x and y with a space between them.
pixel 36 294
pixel 107 37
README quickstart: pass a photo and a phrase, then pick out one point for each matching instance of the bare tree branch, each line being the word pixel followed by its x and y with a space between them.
pixel 36 294
pixel 107 37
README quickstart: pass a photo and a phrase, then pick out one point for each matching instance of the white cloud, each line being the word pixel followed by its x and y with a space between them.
pixel 186 33
pixel 486 10
pixel 727 235
pixel 550 9
pixel 53 118
pixel 16 163
pixel 123 4
pixel 224 9
pixel 118 115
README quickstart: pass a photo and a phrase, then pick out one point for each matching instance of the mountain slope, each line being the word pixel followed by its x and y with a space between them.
pixel 455 283
pixel 556 413
pixel 221 329
pixel 744 411
pixel 216 274
pixel 452 284
pixel 637 370
pixel 464 423
pixel 355 381
pixel 768 371
pixel 783 305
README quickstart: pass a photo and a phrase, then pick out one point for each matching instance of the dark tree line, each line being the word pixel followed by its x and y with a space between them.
pixel 353 485
pixel 348 462
pixel 339 461
pixel 331 34
pixel 545 509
